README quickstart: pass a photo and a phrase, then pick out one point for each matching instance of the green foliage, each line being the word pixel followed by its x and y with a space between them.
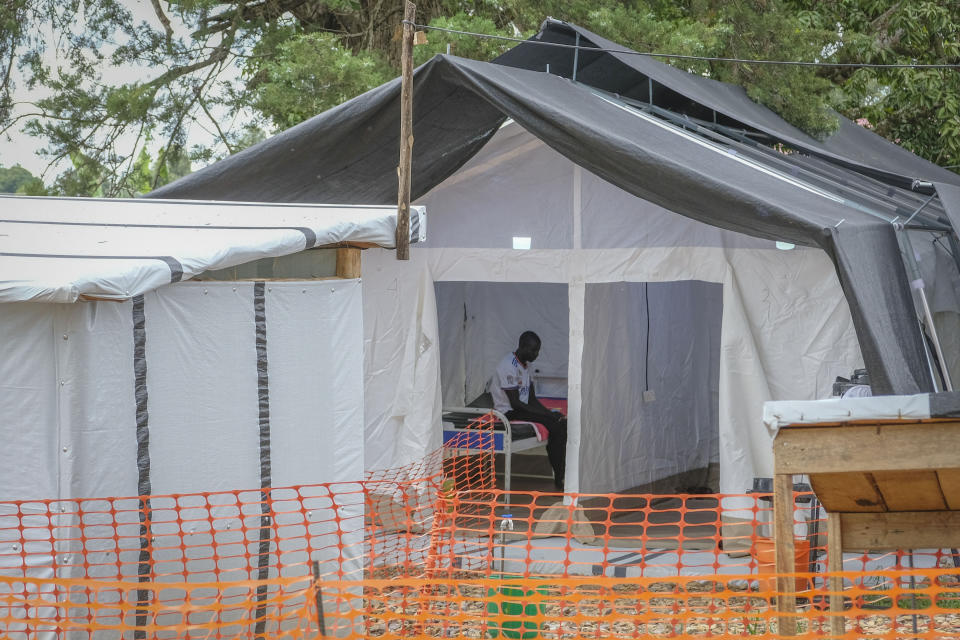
pixel 14 178
pixel 465 46
pixel 34 187
pixel 239 70
pixel 798 94
pixel 310 73
pixel 918 109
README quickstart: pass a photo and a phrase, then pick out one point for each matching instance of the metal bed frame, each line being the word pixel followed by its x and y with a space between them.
pixel 479 440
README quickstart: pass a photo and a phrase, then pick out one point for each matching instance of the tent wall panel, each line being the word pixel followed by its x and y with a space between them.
pixel 29 389
pixel 97 403
pixel 315 337
pixel 401 361
pixel 613 218
pixel 71 430
pixel 315 342
pixel 516 186
pixel 663 337
pixel 786 330
pixel 202 384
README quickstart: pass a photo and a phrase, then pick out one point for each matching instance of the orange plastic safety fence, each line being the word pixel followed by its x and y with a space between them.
pixel 540 534
pixel 464 460
pixel 440 518
pixel 278 608
pixel 382 523
pixel 413 528
pixel 923 604
pixel 221 536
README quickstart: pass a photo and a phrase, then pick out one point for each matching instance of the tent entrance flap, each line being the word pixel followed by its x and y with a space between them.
pixel 651 369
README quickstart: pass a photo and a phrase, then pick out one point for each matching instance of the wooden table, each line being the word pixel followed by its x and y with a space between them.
pixel 886 485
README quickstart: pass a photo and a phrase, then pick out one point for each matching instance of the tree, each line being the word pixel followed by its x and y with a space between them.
pixel 233 68
pixel 14 178
pixel 918 109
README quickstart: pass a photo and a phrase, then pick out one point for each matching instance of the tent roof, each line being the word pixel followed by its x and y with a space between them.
pixel 64 249
pixel 460 103
pixel 844 203
pixel 627 73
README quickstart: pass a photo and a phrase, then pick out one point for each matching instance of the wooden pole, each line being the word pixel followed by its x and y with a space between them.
pixel 406 132
pixel 783 544
pixel 835 565
pixel 348 262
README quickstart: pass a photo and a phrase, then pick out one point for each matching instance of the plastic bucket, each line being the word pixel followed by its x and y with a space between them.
pixel 525 626
pixel 765 553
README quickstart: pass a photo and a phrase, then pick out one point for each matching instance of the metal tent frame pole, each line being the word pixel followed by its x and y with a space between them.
pixel 918 285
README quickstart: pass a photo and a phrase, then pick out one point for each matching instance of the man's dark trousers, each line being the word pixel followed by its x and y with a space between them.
pixel 556 444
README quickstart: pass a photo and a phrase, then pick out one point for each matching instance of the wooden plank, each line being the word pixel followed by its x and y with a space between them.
pixel 834 566
pixel 900 530
pixel 950 487
pixel 846 492
pixel 785 563
pixel 892 447
pixel 348 262
pixel 910 490
pixel 868 423
pixel 406 132
pixel 357 245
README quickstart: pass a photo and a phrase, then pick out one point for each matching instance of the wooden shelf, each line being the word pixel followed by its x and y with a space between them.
pixel 886 486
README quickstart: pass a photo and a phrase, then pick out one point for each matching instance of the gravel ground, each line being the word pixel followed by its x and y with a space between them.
pixel 619 615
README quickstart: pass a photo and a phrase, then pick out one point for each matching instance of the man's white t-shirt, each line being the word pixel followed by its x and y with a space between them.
pixel 510 374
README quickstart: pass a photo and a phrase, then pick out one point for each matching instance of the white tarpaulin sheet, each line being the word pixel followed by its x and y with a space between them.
pixel 59 249
pixel 661 339
pixel 194 387
pixel 833 410
pixel 785 330
pixel 400 360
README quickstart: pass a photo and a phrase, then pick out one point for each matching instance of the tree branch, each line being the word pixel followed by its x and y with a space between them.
pixel 264 10
pixel 198 92
pixel 219 55
pixel 164 20
pixel 226 141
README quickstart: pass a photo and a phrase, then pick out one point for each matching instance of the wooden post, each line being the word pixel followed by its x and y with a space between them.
pixel 318 598
pixel 835 565
pixel 406 132
pixel 348 262
pixel 783 541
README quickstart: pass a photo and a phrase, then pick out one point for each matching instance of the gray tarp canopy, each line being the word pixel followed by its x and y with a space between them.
pixel 348 155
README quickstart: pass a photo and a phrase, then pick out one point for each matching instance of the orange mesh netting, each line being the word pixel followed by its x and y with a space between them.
pixel 94 561
pixel 877 605
pixel 279 608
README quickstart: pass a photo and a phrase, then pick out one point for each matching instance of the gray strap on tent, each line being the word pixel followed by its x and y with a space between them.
pixel 263 397
pixel 143 458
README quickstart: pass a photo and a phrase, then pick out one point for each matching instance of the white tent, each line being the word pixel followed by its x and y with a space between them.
pixel 627 297
pixel 119 377
pixel 650 196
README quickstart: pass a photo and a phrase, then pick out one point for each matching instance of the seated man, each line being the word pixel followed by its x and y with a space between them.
pixel 514 396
